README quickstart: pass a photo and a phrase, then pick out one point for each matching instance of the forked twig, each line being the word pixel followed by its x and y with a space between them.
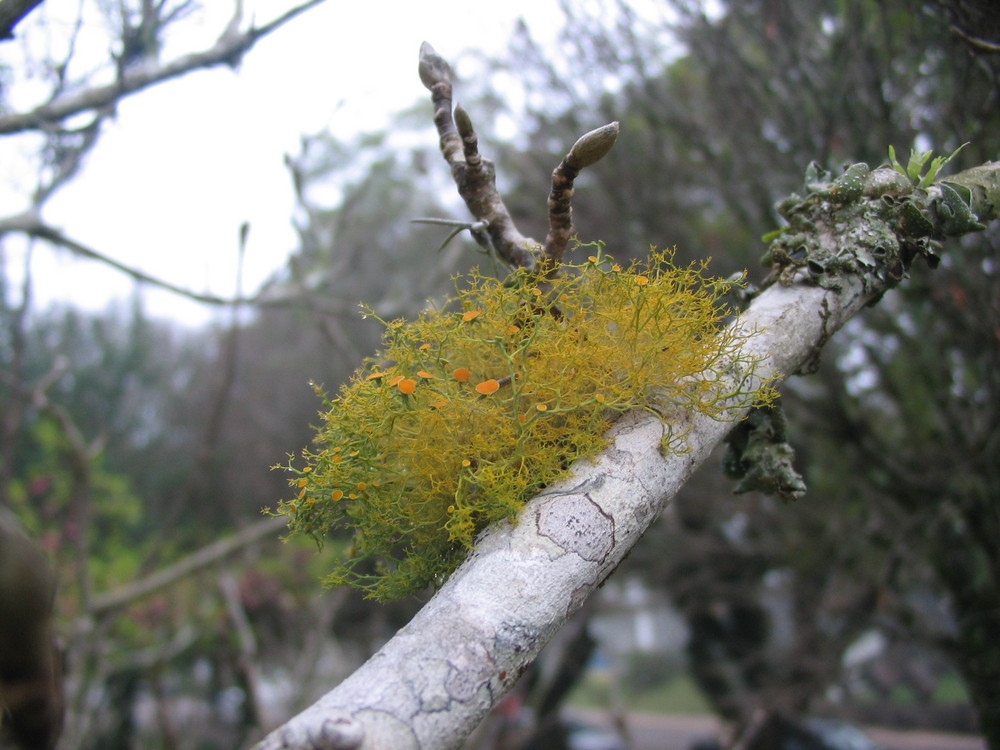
pixel 475 176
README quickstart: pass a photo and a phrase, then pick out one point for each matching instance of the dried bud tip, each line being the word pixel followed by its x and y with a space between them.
pixel 433 68
pixel 462 121
pixel 593 146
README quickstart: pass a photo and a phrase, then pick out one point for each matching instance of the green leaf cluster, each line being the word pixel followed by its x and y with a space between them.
pixel 914 168
pixel 472 408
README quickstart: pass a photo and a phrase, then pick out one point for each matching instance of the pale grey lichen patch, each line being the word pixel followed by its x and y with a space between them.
pixel 387 730
pixel 469 671
pixel 577 524
pixel 516 639
pixel 339 733
pixel 578 597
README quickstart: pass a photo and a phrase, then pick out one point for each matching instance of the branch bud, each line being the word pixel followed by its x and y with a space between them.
pixel 593 146
pixel 463 122
pixel 433 68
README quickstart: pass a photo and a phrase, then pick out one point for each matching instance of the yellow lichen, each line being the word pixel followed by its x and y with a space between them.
pixel 503 407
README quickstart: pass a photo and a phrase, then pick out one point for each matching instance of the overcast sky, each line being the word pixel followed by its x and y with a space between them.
pixel 184 163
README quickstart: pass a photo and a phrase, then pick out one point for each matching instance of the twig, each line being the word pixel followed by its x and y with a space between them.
pixel 588 150
pixel 30 224
pixel 475 176
pixel 477 229
pixel 221 401
pixel 246 644
pixel 983 45
pixel 79 457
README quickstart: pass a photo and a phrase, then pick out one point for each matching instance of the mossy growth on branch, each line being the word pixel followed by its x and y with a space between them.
pixel 471 409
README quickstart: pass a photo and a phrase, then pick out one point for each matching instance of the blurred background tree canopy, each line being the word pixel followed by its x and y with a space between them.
pixel 127 444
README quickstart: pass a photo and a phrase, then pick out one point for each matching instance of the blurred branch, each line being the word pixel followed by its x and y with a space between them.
pixel 65 152
pixel 30 224
pixel 13 371
pixel 80 455
pixel 105 603
pixel 246 645
pixel 220 400
pixel 228 50
pixel 11 13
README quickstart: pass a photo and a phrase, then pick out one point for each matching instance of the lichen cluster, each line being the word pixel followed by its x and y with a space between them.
pixel 469 410
pixel 886 218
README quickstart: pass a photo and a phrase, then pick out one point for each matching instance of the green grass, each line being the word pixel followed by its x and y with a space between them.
pixel 678 695
pixel 951 689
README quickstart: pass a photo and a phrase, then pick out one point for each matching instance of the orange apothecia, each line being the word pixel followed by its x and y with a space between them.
pixel 417 478
pixel 488 386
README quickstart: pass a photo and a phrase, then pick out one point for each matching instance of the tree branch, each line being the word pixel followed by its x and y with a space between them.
pixel 213 553
pixel 474 176
pixel 30 224
pixel 590 149
pixel 228 50
pixel 12 12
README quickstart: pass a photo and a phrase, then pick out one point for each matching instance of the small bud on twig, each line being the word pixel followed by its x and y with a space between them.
pixel 593 146
pixel 589 149
pixel 433 68
pixel 463 122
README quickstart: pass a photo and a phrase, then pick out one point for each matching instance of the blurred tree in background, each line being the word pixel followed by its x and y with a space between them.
pixel 130 447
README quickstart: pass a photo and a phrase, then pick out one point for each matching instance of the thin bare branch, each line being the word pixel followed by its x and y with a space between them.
pixel 68 148
pixel 246 645
pixel 78 456
pixel 228 50
pixel 213 553
pixel 29 223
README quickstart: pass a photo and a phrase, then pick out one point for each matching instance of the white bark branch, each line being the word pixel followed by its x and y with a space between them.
pixel 436 679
